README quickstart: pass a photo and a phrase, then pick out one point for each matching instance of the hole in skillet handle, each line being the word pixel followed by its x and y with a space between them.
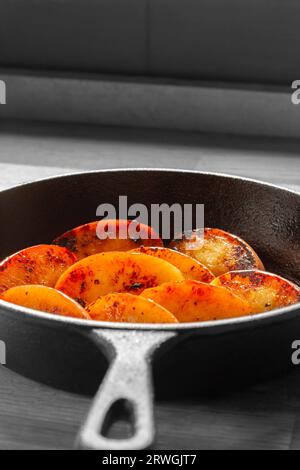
pixel 119 421
pixel 128 382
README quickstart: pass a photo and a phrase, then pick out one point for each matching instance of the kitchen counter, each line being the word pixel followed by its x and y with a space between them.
pixel 34 416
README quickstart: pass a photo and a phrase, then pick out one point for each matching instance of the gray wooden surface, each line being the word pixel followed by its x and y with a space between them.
pixel 33 416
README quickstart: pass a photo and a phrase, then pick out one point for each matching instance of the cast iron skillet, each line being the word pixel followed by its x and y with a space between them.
pixel 194 358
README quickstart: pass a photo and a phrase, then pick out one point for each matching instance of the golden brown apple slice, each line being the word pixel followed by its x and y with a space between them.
pixel 219 251
pixel 190 267
pixel 129 308
pixel 84 240
pixel 193 301
pixel 105 273
pixel 44 299
pixel 263 291
pixel 41 264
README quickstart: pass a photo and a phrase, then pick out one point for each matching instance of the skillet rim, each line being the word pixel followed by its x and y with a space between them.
pixel 154 170
pixel 210 326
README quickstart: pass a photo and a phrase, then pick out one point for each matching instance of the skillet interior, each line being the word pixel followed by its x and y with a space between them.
pixel 267 217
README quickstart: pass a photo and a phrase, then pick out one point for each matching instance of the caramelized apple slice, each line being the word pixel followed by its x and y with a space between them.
pixel 84 240
pixel 129 308
pixel 190 267
pixel 263 291
pixel 219 251
pixel 44 299
pixel 41 264
pixel 192 301
pixel 105 273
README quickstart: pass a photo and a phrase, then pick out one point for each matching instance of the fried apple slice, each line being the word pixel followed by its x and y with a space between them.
pixel 41 264
pixel 84 240
pixel 190 267
pixel 192 301
pixel 44 299
pixel 105 273
pixel 219 251
pixel 263 291
pixel 129 308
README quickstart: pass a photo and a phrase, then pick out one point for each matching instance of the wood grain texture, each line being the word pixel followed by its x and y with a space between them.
pixel 33 416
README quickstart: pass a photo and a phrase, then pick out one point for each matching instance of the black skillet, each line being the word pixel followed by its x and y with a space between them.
pixel 193 358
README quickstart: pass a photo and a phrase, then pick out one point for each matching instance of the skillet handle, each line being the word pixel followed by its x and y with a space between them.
pixel 128 383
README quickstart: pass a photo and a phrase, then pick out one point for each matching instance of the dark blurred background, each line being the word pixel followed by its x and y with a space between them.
pixel 235 40
pixel 95 84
